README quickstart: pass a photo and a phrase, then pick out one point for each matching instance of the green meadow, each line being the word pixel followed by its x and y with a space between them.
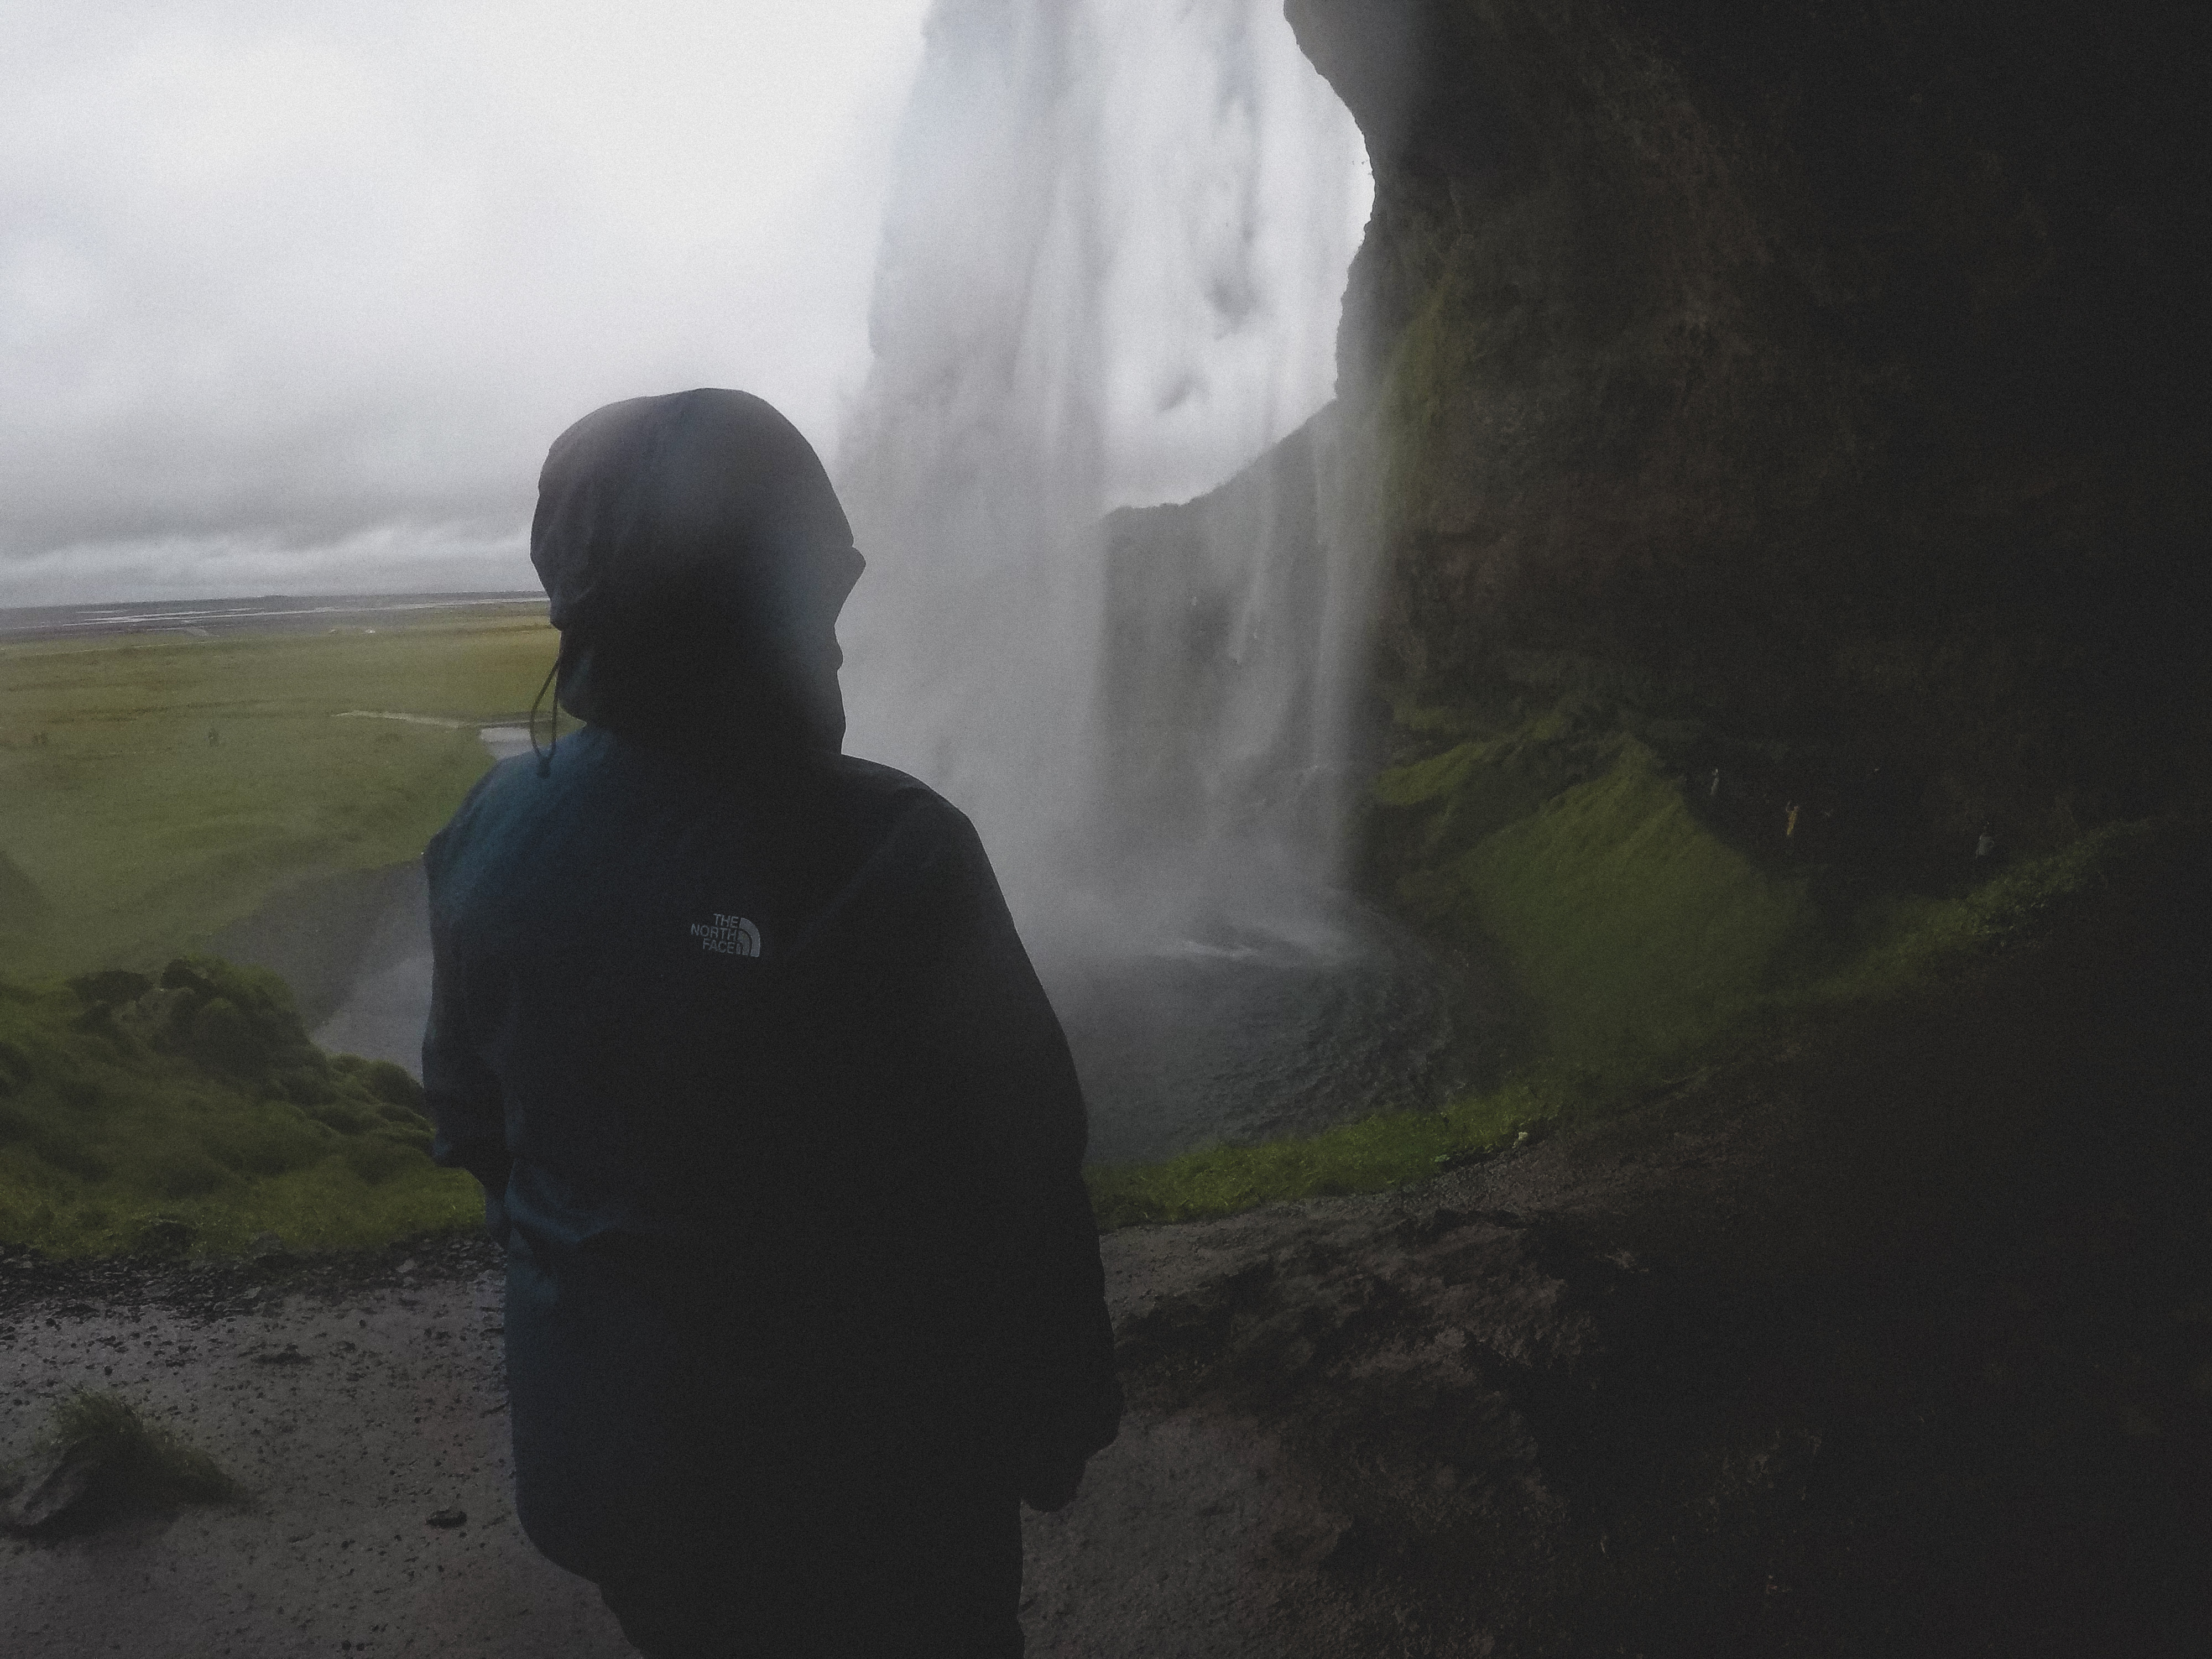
pixel 154 788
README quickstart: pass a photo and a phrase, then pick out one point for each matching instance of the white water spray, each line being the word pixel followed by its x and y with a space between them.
pixel 1111 274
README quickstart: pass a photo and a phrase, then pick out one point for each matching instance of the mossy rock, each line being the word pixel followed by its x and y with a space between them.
pixel 186 1173
pixel 392 1084
pixel 24 908
pixel 72 1156
pixel 111 987
pixel 279 1146
pixel 307 1086
pixel 415 1135
pixel 239 1021
pixel 348 1117
pixel 378 1157
pixel 16 1068
pixel 162 1235
pixel 220 1035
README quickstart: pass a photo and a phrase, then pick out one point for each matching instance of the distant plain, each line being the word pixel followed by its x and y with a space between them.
pixel 154 787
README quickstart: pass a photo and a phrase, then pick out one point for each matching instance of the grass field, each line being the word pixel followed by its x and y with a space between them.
pixel 153 789
pixel 193 1113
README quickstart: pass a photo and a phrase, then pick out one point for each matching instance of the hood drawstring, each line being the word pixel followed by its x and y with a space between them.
pixel 545 755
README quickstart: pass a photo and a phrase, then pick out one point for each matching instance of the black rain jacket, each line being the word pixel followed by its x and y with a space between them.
pixel 770 1110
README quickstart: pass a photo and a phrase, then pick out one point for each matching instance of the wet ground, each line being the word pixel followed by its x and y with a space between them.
pixel 1892 1340
pixel 357 1399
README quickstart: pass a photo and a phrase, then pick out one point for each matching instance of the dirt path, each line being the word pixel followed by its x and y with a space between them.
pixel 354 1410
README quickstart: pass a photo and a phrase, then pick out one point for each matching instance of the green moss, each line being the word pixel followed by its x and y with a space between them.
pixel 1448 346
pixel 1426 782
pixel 1541 827
pixel 128 1130
pixel 1643 948
pixel 1387 1150
pixel 1900 944
pixel 1423 812
pixel 1628 929
pixel 391 1084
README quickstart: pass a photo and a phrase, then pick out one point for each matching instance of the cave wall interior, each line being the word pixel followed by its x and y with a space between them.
pixel 1833 377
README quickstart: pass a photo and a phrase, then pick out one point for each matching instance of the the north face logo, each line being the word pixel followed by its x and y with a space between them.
pixel 729 936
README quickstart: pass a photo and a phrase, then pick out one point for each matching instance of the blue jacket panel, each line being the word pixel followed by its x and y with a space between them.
pixel 774 1119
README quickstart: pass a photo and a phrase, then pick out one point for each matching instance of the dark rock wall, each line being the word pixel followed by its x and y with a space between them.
pixel 1199 596
pixel 1228 666
pixel 1835 374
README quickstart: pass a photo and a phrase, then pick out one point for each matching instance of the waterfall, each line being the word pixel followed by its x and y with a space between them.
pixel 1116 584
pixel 1111 276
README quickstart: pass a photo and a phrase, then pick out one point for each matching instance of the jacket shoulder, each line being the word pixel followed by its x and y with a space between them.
pixel 866 785
pixel 490 791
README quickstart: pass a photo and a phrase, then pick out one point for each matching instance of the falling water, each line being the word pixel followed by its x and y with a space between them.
pixel 1111 276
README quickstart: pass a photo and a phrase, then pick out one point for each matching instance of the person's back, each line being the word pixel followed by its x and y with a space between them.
pixel 803 1286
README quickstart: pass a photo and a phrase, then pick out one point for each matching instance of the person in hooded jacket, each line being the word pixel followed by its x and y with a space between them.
pixel 776 1124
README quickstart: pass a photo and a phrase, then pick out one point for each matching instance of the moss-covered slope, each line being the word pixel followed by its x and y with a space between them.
pixel 1650 907
pixel 1841 372
pixel 193 1113
pixel 1652 919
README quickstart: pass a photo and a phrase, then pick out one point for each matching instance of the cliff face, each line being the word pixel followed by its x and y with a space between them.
pixel 1835 376
pixel 1218 617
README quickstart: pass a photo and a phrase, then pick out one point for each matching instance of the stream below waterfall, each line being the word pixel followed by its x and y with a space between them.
pixel 1225 1030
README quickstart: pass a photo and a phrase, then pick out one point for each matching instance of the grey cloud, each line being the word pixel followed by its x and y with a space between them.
pixel 289 287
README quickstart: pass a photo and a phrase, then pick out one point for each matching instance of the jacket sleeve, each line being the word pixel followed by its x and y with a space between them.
pixel 466 1107
pixel 996 1033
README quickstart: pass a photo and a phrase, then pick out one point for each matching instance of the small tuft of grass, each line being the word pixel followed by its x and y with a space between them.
pixel 1387 1150
pixel 143 1459
pixel 99 1459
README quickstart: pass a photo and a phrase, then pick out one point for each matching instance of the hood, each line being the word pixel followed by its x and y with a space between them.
pixel 697 558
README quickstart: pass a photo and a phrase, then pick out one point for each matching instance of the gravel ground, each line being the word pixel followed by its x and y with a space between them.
pixel 356 1398
pixel 351 1409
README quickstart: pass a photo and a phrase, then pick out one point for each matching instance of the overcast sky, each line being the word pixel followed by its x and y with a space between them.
pixel 294 296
